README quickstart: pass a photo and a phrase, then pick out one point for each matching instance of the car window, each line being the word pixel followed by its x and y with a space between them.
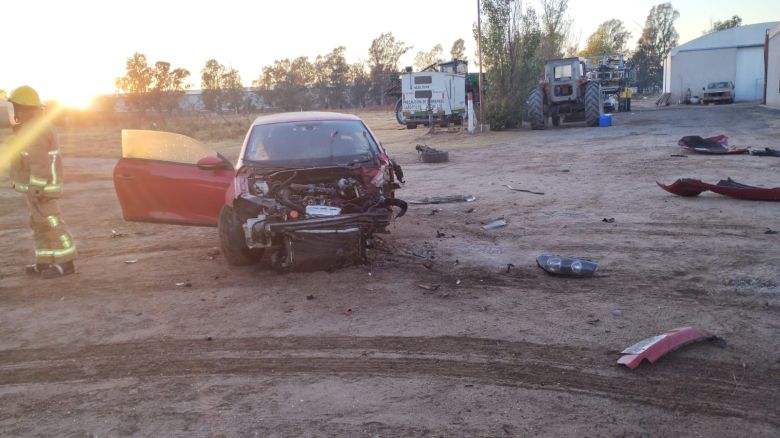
pixel 338 142
pixel 162 146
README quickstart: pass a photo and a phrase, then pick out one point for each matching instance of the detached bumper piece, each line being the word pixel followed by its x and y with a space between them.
pixel 726 187
pixel 711 145
pixel 652 349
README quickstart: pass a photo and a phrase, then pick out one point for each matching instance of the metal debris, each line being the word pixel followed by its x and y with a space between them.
pixel 498 223
pixel 444 199
pixel 522 190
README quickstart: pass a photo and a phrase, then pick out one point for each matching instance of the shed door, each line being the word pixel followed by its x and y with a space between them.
pixel 750 74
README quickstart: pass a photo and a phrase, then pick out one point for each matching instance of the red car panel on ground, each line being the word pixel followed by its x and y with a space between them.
pixel 728 187
pixel 657 346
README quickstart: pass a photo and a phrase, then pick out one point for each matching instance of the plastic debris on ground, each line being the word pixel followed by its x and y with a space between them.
pixel 444 199
pixel 651 349
pixel 522 190
pixel 716 145
pixel 498 223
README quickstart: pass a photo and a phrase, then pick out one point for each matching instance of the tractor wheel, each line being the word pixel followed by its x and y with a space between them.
pixel 535 105
pixel 593 103
pixel 231 240
pixel 399 113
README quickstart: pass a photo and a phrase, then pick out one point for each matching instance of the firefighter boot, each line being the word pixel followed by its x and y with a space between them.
pixel 57 270
pixel 35 269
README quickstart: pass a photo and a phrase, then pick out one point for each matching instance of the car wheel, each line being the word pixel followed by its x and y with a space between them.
pixel 411 126
pixel 435 156
pixel 231 240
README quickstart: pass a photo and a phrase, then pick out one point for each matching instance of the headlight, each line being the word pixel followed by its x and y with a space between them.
pixel 568 266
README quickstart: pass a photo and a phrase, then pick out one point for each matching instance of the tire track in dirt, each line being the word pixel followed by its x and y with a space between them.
pixel 677 384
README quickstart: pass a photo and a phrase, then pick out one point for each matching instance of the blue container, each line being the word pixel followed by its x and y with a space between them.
pixel 605 120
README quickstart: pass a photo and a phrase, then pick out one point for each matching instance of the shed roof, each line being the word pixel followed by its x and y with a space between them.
pixel 741 36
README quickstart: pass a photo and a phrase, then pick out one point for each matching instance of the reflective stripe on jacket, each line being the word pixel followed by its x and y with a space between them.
pixel 38 165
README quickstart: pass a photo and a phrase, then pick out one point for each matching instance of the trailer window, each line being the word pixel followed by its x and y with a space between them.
pixel 562 72
pixel 423 94
pixel 422 80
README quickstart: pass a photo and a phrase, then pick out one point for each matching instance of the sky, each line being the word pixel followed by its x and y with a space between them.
pixel 73 50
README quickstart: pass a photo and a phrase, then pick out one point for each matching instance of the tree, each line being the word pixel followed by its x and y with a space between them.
pixel 156 87
pixel 383 56
pixel 286 83
pixel 167 86
pixel 609 38
pixel 221 87
pixel 233 90
pixel 425 59
pixel 3 94
pixel 556 28
pixel 136 82
pixel 510 52
pixel 360 84
pixel 211 85
pixel 658 38
pixel 734 21
pixel 458 50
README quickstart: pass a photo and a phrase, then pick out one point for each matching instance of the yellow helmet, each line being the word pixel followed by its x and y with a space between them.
pixel 26 96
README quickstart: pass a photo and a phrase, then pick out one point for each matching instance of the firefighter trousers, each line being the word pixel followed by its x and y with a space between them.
pixel 53 242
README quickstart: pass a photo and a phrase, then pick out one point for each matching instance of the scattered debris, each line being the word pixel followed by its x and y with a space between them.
pixel 509 267
pixel 131 261
pixel 711 145
pixel 593 321
pixel 444 199
pixel 767 152
pixel 428 264
pixel 115 234
pixel 771 231
pixel 728 187
pixel 678 156
pixel 310 297
pixel 522 190
pixel 430 287
pixel 498 223
pixel 567 266
pixel 457 282
pixel 184 284
pixel 348 311
pixel 439 234
pixel 427 154
pixel 433 212
pixel 657 346
pixel 609 220
pixel 617 312
pixel 470 210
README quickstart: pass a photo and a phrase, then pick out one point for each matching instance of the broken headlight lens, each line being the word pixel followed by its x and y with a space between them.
pixel 568 266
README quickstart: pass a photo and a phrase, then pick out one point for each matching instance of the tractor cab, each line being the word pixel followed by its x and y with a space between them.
pixel 563 76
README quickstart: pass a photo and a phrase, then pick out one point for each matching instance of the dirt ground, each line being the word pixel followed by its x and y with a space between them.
pixel 119 349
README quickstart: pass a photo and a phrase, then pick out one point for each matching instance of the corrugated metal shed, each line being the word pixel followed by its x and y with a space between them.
pixel 735 55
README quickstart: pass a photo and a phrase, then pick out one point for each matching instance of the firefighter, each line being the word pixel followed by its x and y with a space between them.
pixel 36 171
pixel 625 96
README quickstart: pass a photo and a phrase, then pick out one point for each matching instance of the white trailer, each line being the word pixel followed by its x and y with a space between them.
pixel 432 97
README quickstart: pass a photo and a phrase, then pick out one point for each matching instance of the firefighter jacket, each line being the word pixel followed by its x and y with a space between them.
pixel 36 168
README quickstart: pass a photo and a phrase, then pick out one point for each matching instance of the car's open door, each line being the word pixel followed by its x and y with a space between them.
pixel 170 178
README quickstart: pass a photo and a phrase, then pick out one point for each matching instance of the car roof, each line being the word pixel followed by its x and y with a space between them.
pixel 305 116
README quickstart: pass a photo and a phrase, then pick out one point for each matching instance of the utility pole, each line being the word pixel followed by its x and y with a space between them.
pixel 479 54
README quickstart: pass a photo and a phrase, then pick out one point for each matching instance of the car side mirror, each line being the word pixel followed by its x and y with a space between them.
pixel 211 163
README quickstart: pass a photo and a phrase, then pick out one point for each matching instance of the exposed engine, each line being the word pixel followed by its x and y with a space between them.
pixel 315 218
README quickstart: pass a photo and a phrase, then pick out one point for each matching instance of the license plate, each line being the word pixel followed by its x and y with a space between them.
pixel 322 211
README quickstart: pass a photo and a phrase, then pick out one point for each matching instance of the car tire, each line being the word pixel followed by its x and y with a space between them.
pixel 411 126
pixel 231 240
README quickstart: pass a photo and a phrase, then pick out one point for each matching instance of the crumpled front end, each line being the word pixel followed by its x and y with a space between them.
pixel 318 218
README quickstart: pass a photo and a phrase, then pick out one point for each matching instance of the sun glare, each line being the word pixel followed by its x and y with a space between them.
pixel 75 99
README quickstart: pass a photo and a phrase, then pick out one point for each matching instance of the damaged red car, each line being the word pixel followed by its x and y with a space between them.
pixel 309 190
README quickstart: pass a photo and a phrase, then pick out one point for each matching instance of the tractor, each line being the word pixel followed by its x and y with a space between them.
pixel 565 92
